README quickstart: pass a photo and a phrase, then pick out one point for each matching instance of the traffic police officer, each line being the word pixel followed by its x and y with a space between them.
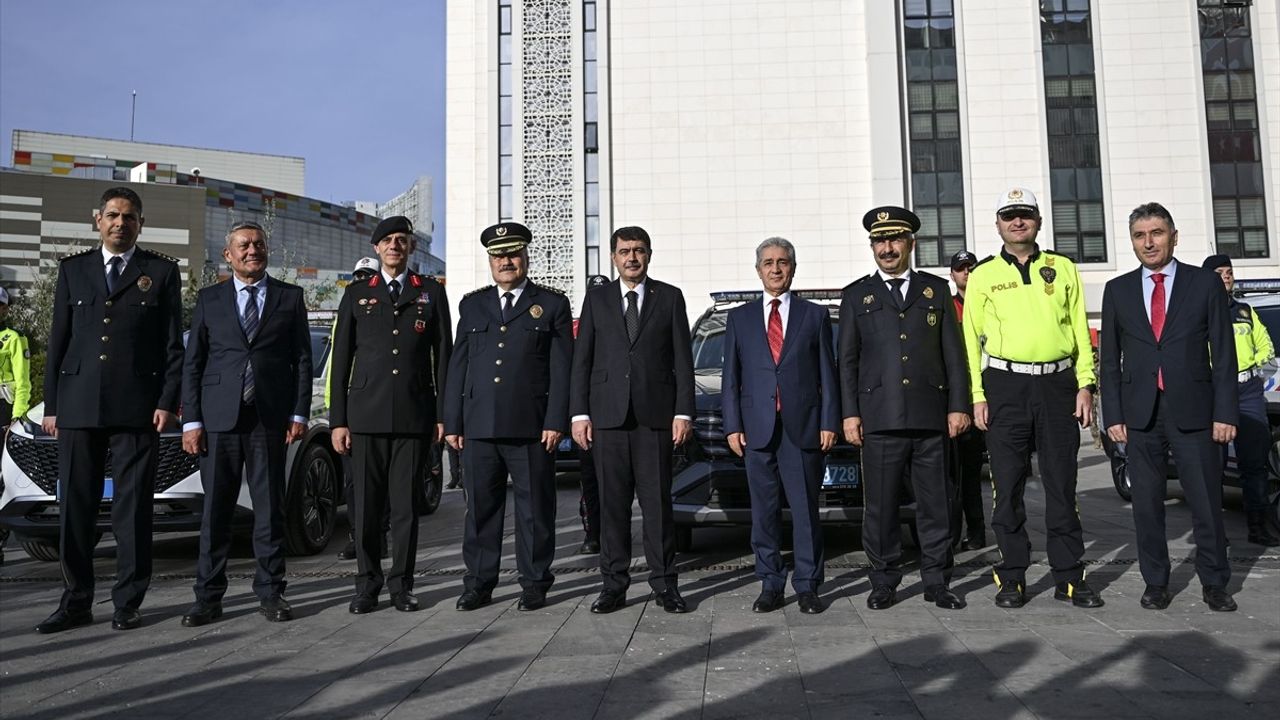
pixel 112 378
pixel 904 392
pixel 506 408
pixel 1025 314
pixel 1253 438
pixel 968 527
pixel 391 347
pixel 15 379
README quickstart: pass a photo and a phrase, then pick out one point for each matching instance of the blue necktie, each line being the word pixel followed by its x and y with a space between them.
pixel 249 322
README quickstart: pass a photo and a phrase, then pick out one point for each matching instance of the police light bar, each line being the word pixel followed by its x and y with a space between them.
pixel 728 296
pixel 1243 287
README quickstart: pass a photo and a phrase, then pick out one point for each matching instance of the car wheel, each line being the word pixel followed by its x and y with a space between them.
pixel 433 488
pixel 684 538
pixel 46 549
pixel 1120 478
pixel 311 504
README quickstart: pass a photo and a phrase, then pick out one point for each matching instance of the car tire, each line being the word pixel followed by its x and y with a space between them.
pixel 433 488
pixel 1120 478
pixel 47 549
pixel 311 502
pixel 684 538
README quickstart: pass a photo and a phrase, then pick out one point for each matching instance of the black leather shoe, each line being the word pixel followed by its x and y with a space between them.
pixel 202 613
pixel 1218 599
pixel 809 603
pixel 974 541
pixel 768 601
pixel 882 597
pixel 474 600
pixel 348 552
pixel 1079 593
pixel 589 547
pixel 1155 598
pixel 362 604
pixel 1011 595
pixel 609 601
pixel 405 602
pixel 453 485
pixel 126 619
pixel 942 596
pixel 670 601
pixel 276 609
pixel 532 600
pixel 64 620
pixel 1260 530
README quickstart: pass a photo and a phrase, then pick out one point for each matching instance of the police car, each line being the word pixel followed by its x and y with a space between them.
pixel 710 483
pixel 314 480
pixel 1264 297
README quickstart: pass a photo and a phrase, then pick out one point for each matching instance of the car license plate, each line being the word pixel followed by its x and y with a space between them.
pixel 841 476
pixel 566 445
pixel 108 490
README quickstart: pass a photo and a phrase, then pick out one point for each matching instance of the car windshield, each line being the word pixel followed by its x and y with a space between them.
pixel 708 341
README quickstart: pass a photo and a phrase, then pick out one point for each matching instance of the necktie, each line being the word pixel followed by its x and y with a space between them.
pixel 895 287
pixel 249 321
pixel 394 287
pixel 113 275
pixel 775 344
pixel 1157 317
pixel 632 316
pixel 507 297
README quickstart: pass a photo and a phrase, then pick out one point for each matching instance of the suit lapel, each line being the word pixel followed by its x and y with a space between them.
pixel 915 288
pixel 408 293
pixel 274 290
pixel 795 322
pixel 132 271
pixel 647 308
pixel 524 302
pixel 1138 303
pixel 1174 301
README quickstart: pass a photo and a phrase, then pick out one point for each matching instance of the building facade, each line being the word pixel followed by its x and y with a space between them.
pixel 717 124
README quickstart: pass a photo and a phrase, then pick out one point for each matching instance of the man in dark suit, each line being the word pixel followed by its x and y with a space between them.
pixel 391 347
pixel 632 402
pixel 506 408
pixel 112 378
pixel 1165 326
pixel 781 411
pixel 904 392
pixel 246 396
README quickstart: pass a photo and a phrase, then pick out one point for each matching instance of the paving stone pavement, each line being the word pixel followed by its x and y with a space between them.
pixel 719 661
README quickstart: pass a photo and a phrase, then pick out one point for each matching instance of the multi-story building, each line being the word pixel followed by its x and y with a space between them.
pixel 717 124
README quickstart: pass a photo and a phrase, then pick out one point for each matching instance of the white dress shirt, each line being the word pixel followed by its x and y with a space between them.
pixel 784 310
pixel 1149 285
pixel 125 256
pixel 906 275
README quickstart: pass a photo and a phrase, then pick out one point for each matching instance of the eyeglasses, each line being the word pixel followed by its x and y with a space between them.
pixel 962 269
pixel 1011 215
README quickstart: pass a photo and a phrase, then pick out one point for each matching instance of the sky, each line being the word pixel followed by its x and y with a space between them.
pixel 357 89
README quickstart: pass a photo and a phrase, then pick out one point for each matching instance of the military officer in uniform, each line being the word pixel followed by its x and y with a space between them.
pixel 904 393
pixel 1254 349
pixel 506 408
pixel 1025 316
pixel 391 348
pixel 112 378
pixel 15 379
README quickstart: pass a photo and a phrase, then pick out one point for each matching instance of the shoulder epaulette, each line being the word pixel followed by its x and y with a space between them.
pixel 78 253
pixel 985 260
pixel 552 290
pixel 929 276
pixel 477 291
pixel 160 255
pixel 1055 253
pixel 1245 305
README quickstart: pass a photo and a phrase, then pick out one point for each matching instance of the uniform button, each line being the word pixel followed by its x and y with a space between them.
pixel 902 315
pixel 906 381
pixel 102 357
pixel 497 379
pixel 903 336
pixel 502 328
pixel 502 345
pixel 395 371
pixel 498 361
pixel 395 351
pixel 397 312
pixel 106 338
pixel 108 303
pixel 106 321
pixel 904 358
pixel 395 332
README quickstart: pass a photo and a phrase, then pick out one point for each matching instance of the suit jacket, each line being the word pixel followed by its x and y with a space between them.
pixel 218 353
pixel 510 379
pixel 400 355
pixel 114 358
pixel 804 376
pixel 1196 352
pixel 653 377
pixel 902 362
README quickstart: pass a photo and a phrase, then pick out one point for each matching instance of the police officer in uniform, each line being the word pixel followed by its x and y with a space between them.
pixel 391 348
pixel 112 379
pixel 589 502
pixel 1254 349
pixel 15 380
pixel 968 526
pixel 1025 313
pixel 506 408
pixel 904 393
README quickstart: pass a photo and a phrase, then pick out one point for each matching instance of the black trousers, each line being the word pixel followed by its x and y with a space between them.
pixel 386 469
pixel 634 463
pixel 589 503
pixel 256 454
pixel 1199 462
pixel 1022 410
pixel 783 469
pixel 1253 442
pixel 888 460
pixel 533 481
pixel 966 481
pixel 82 454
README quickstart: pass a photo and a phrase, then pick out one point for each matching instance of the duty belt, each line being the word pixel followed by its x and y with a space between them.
pixel 1247 375
pixel 1034 368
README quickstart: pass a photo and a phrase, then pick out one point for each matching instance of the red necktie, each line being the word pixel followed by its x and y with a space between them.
pixel 1157 317
pixel 775 342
